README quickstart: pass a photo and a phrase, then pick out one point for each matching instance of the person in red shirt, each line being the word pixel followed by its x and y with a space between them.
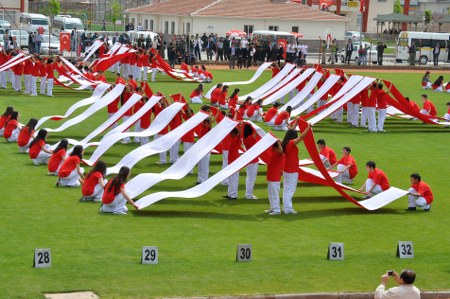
pixel 382 107
pixel 271 115
pixel 281 122
pixel 26 135
pixel 4 118
pixel 197 95
pixel 232 103
pixel 27 68
pixel 101 50
pixel 353 111
pixel 223 98
pixel 327 154
pixel 364 94
pixel 255 112
pixel 175 123
pixel 100 77
pixel 414 105
pixel 160 106
pixel 4 58
pixel 420 194
pixel 216 94
pixel 145 121
pixel 233 155
pixel 153 59
pixel 145 64
pixel 39 151
pixel 93 185
pixel 12 128
pixel 188 139
pixel 50 77
pixel 58 157
pixel 428 107
pixel 35 73
pixel 132 82
pixel 43 75
pixel 275 69
pixel 274 170
pixel 447 115
pixel 372 107
pixel 346 167
pixel 203 164
pixel 70 173
pixel 250 139
pixel 115 196
pixel 290 167
pixel 205 75
pixel 126 95
pixel 376 182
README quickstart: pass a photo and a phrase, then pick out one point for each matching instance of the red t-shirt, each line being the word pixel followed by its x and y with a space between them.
pixel 274 167
pixel 3 120
pixel 90 182
pixel 215 95
pixel 329 153
pixel 126 96
pixel 414 105
pixel 43 70
pixel 194 93
pixel 233 101
pixel 249 142
pixel 373 97
pixel 424 190
pixel 10 126
pixel 24 137
pixel 281 117
pixel 235 145
pixel 101 51
pixel 348 160
pixel 175 122
pixel 226 143
pixel 68 166
pixel 55 160
pixel 379 178
pixel 364 97
pixel 109 196
pixel 36 69
pixel 270 114
pixel 356 99
pixel 251 110
pixel 291 157
pixel 35 149
pixel 112 107
pixel 429 106
pixel 381 100
pixel 49 71
pixel 223 98
pixel 275 71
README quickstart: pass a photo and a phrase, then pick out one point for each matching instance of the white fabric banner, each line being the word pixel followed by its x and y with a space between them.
pixel 266 142
pixel 186 162
pixel 160 121
pixel 383 198
pixel 256 75
pixel 92 49
pixel 284 90
pixel 8 64
pixel 163 143
pixel 96 95
pixel 269 84
pixel 103 102
pixel 339 103
pixel 279 85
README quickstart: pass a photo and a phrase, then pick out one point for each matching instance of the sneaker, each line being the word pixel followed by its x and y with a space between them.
pixel 251 197
pixel 411 209
pixel 291 212
pixel 273 213
pixel 229 197
pixel 160 163
pixel 119 213
pixel 268 211
pixel 58 182
pixel 366 196
pixel 427 209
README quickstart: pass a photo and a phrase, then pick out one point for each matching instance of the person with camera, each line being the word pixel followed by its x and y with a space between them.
pixel 405 288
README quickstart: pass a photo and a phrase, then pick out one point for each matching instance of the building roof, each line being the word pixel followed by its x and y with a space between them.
pixel 397 18
pixel 248 9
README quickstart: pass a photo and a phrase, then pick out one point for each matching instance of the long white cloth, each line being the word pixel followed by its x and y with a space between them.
pixel 92 49
pixel 96 95
pixel 13 61
pixel 162 144
pixel 186 162
pixel 383 198
pixel 256 75
pixel 280 86
pixel 103 102
pixel 160 121
pixel 266 142
pixel 288 86
pixel 271 83
pixel 339 103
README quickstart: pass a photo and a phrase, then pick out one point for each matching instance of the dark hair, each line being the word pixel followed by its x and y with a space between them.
pixel 416 176
pixel 448 103
pixel 407 99
pixel 235 92
pixel 276 105
pixel 31 125
pixel 205 108
pixel 224 88
pixel 288 109
pixel 380 85
pixel 77 151
pixel 14 116
pixel 9 110
pixel 235 131
pixel 371 164
pixel 99 166
pixel 248 99
pixel 248 130
pixel 321 142
pixel 119 179
pixel 63 144
pixel 290 135
pixel 439 80
pixel 219 85
pixel 40 136
pixel 408 276
pixel 347 148
pixel 199 88
pixel 259 102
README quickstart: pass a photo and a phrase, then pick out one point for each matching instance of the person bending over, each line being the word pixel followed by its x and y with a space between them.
pixel 376 182
pixel 115 197
pixel 93 185
pixel 420 194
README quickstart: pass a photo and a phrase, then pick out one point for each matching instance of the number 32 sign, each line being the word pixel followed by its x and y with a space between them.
pixel 405 250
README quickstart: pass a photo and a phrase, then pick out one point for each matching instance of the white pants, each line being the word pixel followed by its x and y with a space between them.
pixel 349 112
pixel 137 129
pixel 377 189
pixel 43 157
pixel 42 86
pixel 3 79
pixel 290 180
pixel 225 107
pixel 72 180
pixel 252 172
pixel 428 85
pixel 114 125
pixel 24 149
pixel 447 116
pixel 327 163
pixel 256 117
pixel 162 155
pixel 273 189
pixel 138 72
pixel 14 135
pixel 18 84
pixel 381 119
pixel 364 116
pixel 186 147
pixel 338 114
pixel 173 153
pixel 154 75
pixel 117 206
pixel 282 127
pixel 372 120
pixel 144 140
pixel 203 168
pixel 144 77
pixel 355 115
pixel 33 87
pixel 98 192
pixel 196 100
pixel 124 119
pixel 321 103
pixel 224 164
pixel 343 177
pixel 27 82
pixel 2 131
pixel 233 183
pixel 270 122
pixel 415 201
pixel 50 86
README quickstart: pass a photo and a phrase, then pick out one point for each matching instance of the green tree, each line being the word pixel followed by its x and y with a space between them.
pixel 116 10
pixel 428 16
pixel 54 6
pixel 398 7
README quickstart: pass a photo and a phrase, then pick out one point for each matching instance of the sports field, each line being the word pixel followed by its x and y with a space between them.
pixel 197 238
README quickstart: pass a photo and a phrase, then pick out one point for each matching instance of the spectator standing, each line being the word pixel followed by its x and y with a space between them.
pixel 412 54
pixel 380 52
pixel 436 52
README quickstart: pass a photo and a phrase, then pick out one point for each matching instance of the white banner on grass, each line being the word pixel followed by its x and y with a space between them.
pixel 159 145
pixel 383 198
pixel 160 121
pixel 329 83
pixel 92 49
pixel 256 75
pixel 186 162
pixel 266 142
pixel 103 102
pixel 279 86
pixel 96 95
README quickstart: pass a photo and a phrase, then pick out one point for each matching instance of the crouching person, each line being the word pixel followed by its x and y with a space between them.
pixel 94 184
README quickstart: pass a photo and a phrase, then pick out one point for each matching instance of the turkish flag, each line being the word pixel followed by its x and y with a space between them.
pixel 362 6
pixel 283 44
pixel 64 41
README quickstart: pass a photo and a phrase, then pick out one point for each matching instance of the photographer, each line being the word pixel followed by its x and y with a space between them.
pixel 405 288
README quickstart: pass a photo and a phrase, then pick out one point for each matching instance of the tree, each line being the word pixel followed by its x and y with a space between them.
pixel 427 16
pixel 398 7
pixel 54 7
pixel 115 13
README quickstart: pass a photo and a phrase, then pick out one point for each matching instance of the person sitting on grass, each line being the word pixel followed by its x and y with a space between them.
pixel 115 196
pixel 39 151
pixel 428 107
pixel 70 173
pixel 4 118
pixel 447 115
pixel 438 84
pixel 327 154
pixel 197 94
pixel 58 157
pixel 419 195
pixel 26 135
pixel 271 114
pixel 405 288
pixel 426 82
pixel 255 112
pixel 346 167
pixel 281 122
pixel 93 185
pixel 376 182
pixel 12 128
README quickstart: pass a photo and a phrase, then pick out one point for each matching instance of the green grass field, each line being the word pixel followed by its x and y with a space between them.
pixel 197 238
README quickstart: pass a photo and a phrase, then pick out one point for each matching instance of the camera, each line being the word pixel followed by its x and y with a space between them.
pixel 391 272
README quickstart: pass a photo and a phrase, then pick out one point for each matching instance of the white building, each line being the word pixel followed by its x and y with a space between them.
pixel 220 16
pixel 11 10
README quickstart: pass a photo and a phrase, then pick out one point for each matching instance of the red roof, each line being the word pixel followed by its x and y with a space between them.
pixel 245 9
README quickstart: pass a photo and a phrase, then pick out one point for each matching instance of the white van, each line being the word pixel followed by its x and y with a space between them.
pixel 32 21
pixel 425 43
pixel 65 24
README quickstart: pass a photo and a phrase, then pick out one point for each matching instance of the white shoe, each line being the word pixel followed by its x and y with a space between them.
pixel 251 197
pixel 268 211
pixel 277 213
pixel 160 163
pixel 291 212
pixel 119 213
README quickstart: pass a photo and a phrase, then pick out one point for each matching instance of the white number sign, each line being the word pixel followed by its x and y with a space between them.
pixel 150 255
pixel 244 253
pixel 42 258
pixel 405 250
pixel 336 252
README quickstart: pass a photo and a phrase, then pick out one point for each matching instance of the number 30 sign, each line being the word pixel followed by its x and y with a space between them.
pixel 244 253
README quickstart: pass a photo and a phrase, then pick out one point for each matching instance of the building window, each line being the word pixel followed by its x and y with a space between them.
pixel 273 28
pixel 248 29
pixel 166 27
pixel 172 27
pixel 151 25
pixel 146 24
pixel 295 29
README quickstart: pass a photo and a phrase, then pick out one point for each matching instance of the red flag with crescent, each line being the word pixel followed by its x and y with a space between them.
pixel 283 44
pixel 64 41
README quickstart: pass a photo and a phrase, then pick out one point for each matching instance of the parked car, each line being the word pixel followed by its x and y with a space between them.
pixel 372 55
pixel 5 24
pixel 353 35
pixel 54 45
pixel 21 37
